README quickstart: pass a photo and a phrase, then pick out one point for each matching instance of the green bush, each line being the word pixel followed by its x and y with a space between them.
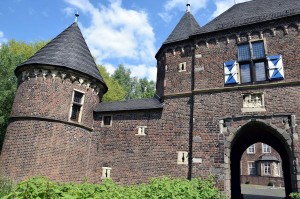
pixel 157 188
pixel 6 186
pixel 295 195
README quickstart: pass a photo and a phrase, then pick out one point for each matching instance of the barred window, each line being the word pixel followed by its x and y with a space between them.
pixel 258 50
pixel 243 52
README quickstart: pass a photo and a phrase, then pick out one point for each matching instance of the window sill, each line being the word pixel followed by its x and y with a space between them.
pixel 253 109
pixel 140 134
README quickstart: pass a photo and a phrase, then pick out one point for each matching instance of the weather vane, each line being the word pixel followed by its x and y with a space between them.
pixel 76 17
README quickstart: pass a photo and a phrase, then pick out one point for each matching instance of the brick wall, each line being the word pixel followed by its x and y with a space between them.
pixel 136 158
pixel 56 150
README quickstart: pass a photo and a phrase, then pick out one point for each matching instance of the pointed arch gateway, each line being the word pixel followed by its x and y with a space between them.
pixel 258 131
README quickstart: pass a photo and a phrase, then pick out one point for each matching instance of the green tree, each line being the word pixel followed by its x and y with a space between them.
pixel 122 75
pixel 115 91
pixel 147 88
pixel 135 88
pixel 12 54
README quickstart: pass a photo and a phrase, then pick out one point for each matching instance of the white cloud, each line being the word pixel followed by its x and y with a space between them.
pixel 142 70
pixel 223 5
pixel 2 38
pixel 69 11
pixel 116 33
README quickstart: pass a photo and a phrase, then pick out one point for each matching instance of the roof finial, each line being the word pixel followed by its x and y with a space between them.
pixel 234 2
pixel 76 17
pixel 188 9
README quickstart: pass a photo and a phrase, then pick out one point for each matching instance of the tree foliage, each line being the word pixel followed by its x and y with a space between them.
pixel 135 88
pixel 12 54
pixel 115 91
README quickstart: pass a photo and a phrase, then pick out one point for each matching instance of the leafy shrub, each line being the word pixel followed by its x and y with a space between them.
pixel 6 186
pixel 157 188
pixel 295 195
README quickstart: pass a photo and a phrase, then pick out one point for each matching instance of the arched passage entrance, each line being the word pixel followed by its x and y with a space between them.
pixel 259 131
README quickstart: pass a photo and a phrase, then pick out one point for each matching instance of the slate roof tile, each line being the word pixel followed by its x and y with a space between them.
pixel 251 12
pixel 136 104
pixel 185 27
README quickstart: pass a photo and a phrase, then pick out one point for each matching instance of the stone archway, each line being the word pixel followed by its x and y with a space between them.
pixel 250 133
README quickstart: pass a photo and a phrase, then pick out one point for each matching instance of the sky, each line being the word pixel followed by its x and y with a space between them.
pixel 128 32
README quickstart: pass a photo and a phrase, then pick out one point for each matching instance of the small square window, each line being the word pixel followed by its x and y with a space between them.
pixel 106 172
pixel 182 67
pixel 141 130
pixel 182 157
pixel 107 120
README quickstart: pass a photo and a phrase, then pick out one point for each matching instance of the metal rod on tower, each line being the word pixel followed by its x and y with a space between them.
pixel 76 17
pixel 188 9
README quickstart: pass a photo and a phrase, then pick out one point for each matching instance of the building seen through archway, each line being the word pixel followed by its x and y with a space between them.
pixel 261 165
pixel 259 138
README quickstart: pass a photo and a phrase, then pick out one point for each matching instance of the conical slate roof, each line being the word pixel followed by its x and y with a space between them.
pixel 68 50
pixel 186 27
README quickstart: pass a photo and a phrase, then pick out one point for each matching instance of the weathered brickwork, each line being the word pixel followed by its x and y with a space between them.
pixel 34 147
pixel 42 97
pixel 199 115
pixel 136 158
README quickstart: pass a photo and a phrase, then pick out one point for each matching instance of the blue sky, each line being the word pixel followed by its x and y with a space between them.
pixel 127 32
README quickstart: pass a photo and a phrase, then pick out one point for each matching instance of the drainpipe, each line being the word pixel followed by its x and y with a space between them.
pixel 292 123
pixel 190 160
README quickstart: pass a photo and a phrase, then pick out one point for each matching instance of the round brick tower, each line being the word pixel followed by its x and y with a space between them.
pixel 52 115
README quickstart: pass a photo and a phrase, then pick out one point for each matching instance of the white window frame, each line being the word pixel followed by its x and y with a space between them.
pixel 111 120
pixel 250 151
pixel 81 104
pixel 141 130
pixel 267 168
pixel 106 171
pixel 251 167
pixel 182 67
pixel 267 147
pixel 182 157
